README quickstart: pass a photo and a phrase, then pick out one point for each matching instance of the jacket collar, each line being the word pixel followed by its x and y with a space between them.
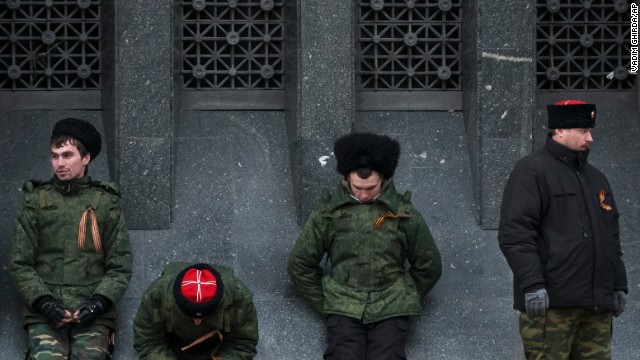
pixel 388 196
pixel 72 186
pixel 573 158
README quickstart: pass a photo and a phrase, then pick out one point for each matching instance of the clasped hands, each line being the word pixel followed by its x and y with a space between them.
pixel 57 315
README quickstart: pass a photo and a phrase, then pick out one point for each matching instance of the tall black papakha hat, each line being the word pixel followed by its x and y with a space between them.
pixel 367 151
pixel 571 114
pixel 83 131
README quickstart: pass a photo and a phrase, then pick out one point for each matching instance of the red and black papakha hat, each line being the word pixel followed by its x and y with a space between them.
pixel 81 130
pixel 571 114
pixel 198 290
pixel 366 151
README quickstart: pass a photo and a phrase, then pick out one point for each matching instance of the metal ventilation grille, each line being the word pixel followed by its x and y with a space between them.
pixel 583 45
pixel 409 45
pixel 232 44
pixel 50 45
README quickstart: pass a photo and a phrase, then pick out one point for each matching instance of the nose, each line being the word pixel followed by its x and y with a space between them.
pixel 364 196
pixel 589 137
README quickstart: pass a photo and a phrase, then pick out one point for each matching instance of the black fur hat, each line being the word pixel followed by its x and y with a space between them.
pixel 571 114
pixel 366 150
pixel 81 130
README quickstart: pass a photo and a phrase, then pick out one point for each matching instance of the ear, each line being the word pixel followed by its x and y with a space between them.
pixel 86 159
pixel 348 176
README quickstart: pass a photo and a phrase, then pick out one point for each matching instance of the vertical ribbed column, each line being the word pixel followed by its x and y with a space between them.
pixel 499 96
pixel 141 124
pixel 320 94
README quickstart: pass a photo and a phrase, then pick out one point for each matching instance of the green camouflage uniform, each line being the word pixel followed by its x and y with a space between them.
pixel 161 329
pixel 46 259
pixel 567 333
pixel 368 280
pixel 48 343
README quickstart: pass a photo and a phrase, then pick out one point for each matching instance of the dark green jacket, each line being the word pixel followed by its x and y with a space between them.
pixel 368 279
pixel 46 258
pixel 161 329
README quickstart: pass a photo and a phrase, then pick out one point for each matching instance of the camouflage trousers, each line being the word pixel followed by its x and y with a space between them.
pixel 69 342
pixel 566 334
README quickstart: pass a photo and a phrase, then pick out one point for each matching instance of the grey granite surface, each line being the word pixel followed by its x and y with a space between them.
pixel 320 102
pixel 500 58
pixel 245 181
pixel 234 206
pixel 143 116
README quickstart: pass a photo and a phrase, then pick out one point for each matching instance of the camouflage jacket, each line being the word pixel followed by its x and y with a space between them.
pixel 368 279
pixel 161 329
pixel 47 257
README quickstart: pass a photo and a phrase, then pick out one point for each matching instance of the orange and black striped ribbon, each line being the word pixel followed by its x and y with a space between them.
pixel 384 216
pixel 82 230
pixel 202 339
pixel 602 204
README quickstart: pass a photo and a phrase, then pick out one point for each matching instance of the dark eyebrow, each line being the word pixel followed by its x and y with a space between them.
pixel 63 153
pixel 365 187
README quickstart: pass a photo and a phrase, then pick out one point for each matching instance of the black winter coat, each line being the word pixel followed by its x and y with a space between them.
pixel 559 230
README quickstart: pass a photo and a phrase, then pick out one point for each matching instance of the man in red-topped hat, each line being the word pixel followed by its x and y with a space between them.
pixel 195 312
pixel 559 232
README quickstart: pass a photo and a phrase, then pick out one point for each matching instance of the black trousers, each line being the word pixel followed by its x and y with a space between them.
pixel 350 339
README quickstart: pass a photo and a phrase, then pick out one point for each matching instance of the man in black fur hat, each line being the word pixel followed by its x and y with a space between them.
pixel 71 259
pixel 559 233
pixel 368 232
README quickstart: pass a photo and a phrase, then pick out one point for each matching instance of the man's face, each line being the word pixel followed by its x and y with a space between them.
pixel 365 189
pixel 575 139
pixel 67 162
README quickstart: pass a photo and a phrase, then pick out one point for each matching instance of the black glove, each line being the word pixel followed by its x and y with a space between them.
pixel 51 309
pixel 91 309
pixel 536 302
pixel 620 299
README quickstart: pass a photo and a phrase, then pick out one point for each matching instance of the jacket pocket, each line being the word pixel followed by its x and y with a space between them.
pixel 343 222
pixel 564 210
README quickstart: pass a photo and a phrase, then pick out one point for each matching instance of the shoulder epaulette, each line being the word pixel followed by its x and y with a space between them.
pixel 405 204
pixel 406 198
pixel 32 185
pixel 224 271
pixel 36 193
pixel 173 268
pixel 325 196
pixel 108 186
pixel 325 200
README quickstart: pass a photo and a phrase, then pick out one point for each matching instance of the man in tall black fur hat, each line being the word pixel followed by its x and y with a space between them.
pixel 559 233
pixel 368 232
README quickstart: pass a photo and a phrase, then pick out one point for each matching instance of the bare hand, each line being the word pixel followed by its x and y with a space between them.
pixel 68 318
